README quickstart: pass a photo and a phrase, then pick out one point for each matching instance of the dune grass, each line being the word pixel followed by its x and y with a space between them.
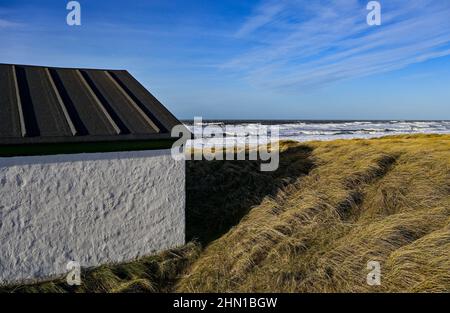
pixel 385 200
pixel 310 226
pixel 220 193
pixel 149 274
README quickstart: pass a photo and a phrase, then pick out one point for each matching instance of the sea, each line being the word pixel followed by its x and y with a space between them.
pixel 309 130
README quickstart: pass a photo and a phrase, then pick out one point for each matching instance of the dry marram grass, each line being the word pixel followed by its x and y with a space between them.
pixel 311 226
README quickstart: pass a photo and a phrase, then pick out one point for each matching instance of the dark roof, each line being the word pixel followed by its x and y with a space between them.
pixel 64 105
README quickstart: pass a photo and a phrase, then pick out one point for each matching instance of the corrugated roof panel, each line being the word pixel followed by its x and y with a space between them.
pixel 9 115
pixel 86 113
pixel 41 104
pixel 144 97
pixel 132 119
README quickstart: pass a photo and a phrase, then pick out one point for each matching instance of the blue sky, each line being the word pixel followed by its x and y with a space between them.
pixel 263 59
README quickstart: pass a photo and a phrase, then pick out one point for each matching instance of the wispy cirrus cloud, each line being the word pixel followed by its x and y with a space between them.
pixel 312 43
pixel 8 24
pixel 264 14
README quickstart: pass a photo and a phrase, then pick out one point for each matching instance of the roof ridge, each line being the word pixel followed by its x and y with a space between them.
pixel 64 67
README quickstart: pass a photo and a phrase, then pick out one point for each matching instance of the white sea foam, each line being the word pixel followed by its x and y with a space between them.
pixel 322 130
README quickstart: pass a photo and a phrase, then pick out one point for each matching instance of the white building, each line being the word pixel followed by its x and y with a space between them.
pixel 86 173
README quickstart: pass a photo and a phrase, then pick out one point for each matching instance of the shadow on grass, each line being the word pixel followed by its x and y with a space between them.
pixel 220 193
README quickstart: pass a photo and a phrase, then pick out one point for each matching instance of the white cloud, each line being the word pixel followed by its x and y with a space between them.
pixel 8 24
pixel 314 44
pixel 263 15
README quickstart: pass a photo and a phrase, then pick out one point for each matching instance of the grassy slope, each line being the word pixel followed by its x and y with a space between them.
pixel 150 274
pixel 384 199
pixel 311 226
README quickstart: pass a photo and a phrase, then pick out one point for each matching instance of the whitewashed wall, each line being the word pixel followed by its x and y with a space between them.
pixel 92 208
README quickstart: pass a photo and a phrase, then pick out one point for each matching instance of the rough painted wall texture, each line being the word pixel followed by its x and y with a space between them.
pixel 91 208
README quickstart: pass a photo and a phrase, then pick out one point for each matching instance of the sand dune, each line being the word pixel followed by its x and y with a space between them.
pixel 311 226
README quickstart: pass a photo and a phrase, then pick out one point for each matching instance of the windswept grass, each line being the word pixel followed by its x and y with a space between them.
pixel 385 200
pixel 311 226
pixel 220 193
pixel 150 274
